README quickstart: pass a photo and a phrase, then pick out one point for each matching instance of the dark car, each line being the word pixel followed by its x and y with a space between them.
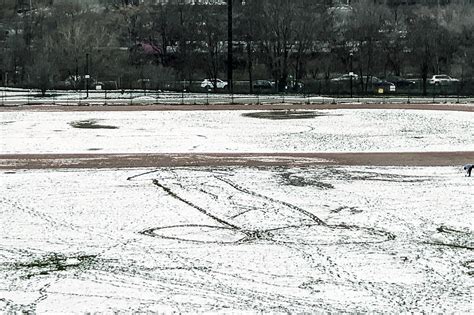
pixel 401 82
pixel 376 84
pixel 263 84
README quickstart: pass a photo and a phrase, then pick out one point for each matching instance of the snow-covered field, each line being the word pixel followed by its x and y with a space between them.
pixel 235 131
pixel 237 240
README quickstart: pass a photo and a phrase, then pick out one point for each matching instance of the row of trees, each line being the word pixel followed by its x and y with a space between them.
pixel 43 42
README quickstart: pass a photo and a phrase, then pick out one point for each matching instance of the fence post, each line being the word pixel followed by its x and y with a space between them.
pixel 458 85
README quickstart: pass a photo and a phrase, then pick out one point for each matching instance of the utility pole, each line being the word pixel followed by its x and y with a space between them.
pixel 229 47
pixel 76 78
pixel 351 73
pixel 87 75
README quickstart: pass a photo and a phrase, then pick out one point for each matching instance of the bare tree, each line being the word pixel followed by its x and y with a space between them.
pixel 282 38
pixel 423 32
pixel 42 72
pixel 187 38
pixel 211 35
pixel 366 32
pixel 394 41
pixel 279 27
pixel 458 19
pixel 309 27
pixel 248 29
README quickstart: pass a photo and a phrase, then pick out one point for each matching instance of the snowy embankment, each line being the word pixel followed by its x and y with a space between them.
pixel 329 239
pixel 235 131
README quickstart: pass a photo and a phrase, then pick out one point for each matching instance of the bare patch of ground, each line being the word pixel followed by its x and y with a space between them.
pixel 56 161
pixel 90 124
pixel 284 114
pixel 164 107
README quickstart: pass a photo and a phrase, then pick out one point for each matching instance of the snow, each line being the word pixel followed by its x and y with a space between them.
pixel 237 240
pixel 231 131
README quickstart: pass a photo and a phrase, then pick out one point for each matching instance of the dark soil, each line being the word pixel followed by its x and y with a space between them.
pixel 90 124
pixel 284 114
pixel 52 263
pixel 301 181
pixel 98 160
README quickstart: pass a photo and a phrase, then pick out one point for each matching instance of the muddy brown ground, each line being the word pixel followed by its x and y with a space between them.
pixel 164 107
pixel 56 161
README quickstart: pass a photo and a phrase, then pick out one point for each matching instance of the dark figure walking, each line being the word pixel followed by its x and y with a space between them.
pixel 468 169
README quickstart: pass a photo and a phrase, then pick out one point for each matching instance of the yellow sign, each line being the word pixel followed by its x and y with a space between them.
pixel 380 91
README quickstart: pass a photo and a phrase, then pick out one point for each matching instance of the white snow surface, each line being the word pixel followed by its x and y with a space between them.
pixel 237 240
pixel 230 131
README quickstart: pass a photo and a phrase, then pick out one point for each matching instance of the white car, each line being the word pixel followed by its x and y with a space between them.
pixel 346 77
pixel 442 79
pixel 209 84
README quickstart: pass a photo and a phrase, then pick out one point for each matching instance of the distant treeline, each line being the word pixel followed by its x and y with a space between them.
pixel 45 43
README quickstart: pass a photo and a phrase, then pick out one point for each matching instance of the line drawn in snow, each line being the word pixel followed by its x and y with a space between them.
pixel 244 215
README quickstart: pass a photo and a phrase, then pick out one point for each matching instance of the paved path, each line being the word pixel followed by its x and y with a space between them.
pixel 144 107
pixel 56 161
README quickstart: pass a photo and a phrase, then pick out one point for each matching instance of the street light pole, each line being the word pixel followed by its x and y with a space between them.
pixel 229 47
pixel 351 73
pixel 87 75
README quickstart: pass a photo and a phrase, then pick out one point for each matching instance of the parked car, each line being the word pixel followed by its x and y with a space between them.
pixel 297 86
pixel 209 84
pixel 401 82
pixel 376 84
pixel 79 81
pixel 346 77
pixel 263 84
pixel 442 79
